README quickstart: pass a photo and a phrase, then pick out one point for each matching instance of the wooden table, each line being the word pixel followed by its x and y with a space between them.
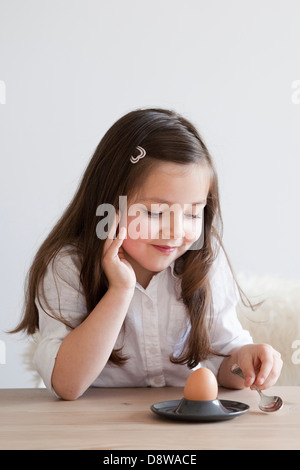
pixel 122 419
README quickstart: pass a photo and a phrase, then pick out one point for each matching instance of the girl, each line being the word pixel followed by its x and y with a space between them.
pixel 145 299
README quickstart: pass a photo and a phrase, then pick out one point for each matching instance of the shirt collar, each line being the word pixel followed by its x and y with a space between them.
pixel 170 269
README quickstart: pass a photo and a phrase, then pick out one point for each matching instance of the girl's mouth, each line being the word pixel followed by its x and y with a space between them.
pixel 167 250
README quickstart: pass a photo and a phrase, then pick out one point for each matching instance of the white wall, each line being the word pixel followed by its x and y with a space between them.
pixel 70 68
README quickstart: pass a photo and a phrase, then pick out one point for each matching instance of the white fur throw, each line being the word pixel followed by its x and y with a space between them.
pixel 276 321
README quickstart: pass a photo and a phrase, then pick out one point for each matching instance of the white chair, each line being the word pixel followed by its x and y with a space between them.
pixel 276 321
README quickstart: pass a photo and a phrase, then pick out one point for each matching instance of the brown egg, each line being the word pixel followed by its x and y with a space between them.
pixel 201 385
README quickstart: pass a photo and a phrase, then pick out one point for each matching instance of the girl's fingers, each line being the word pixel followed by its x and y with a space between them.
pixel 264 371
pixel 116 243
pixel 269 375
pixel 246 364
pixel 111 234
pixel 267 364
pixel 122 233
pixel 261 365
pixel 114 226
pixel 249 374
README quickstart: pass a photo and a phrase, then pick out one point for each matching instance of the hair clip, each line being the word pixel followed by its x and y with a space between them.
pixel 141 155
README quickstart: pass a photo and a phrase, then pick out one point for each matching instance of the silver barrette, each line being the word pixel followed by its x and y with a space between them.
pixel 142 154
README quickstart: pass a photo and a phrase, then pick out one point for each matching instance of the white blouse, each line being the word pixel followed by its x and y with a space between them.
pixel 156 325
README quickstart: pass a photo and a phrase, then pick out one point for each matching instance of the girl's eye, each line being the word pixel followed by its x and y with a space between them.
pixel 154 214
pixel 159 214
pixel 193 216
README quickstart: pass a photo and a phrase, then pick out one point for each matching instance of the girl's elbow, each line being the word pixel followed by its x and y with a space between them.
pixel 70 396
pixel 67 393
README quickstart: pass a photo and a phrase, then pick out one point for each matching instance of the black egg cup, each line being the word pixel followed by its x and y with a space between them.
pixel 192 410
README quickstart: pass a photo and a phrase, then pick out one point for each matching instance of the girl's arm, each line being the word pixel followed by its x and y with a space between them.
pixel 85 350
pixel 260 363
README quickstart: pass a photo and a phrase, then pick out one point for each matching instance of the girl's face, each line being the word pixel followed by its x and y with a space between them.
pixel 165 218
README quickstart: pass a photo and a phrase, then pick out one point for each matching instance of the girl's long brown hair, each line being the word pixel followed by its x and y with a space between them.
pixel 166 136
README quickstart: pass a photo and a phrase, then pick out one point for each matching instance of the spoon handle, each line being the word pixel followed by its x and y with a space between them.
pixel 235 369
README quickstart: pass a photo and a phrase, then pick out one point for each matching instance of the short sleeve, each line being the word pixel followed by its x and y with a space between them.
pixel 226 331
pixel 61 295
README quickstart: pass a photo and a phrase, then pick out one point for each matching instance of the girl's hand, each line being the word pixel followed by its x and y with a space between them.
pixel 260 363
pixel 118 270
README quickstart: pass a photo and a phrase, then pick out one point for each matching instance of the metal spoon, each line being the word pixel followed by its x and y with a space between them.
pixel 268 404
